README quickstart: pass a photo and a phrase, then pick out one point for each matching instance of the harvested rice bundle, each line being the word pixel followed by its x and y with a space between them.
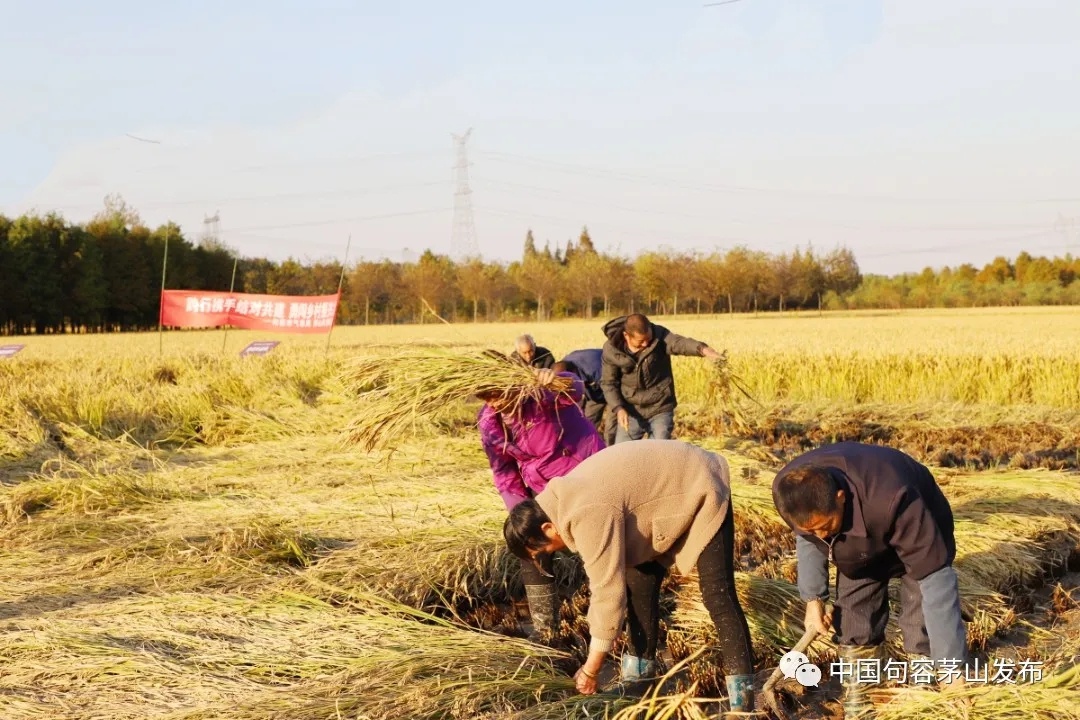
pixel 1054 698
pixel 1002 556
pixel 774 613
pixel 398 390
pixel 280 655
pixel 452 567
pixel 759 531
pixel 1055 493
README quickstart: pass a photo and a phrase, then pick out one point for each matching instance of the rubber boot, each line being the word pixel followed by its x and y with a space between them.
pixel 636 674
pixel 740 690
pixel 857 703
pixel 634 668
pixel 543 610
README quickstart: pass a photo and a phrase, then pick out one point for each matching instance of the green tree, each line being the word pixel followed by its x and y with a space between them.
pixel 88 291
pixel 34 244
pixel 841 270
pixel 289 278
pixel 7 277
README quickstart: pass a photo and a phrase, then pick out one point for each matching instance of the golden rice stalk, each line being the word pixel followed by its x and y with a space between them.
pixel 442 567
pixel 1004 553
pixel 759 531
pixel 722 391
pixel 84 492
pixel 1056 697
pixel 774 614
pixel 397 390
pixel 279 655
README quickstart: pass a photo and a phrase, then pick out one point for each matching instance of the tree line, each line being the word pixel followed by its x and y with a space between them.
pixel 105 275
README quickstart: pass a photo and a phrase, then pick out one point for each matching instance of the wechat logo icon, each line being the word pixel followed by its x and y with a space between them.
pixel 796 665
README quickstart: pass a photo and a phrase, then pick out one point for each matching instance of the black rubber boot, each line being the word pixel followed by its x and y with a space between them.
pixel 543 610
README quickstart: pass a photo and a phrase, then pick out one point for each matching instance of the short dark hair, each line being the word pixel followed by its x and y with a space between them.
pixel 637 324
pixel 805 491
pixel 522 529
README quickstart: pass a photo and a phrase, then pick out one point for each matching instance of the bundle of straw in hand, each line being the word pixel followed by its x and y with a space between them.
pixel 397 390
pixel 723 390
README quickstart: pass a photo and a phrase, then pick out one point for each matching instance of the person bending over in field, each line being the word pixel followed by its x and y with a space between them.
pixel 878 514
pixel 637 379
pixel 546 438
pixel 631 512
pixel 587 364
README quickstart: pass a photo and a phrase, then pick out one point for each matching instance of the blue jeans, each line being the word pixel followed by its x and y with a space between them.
pixel 659 427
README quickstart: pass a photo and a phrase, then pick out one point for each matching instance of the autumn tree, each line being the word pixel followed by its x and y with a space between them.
pixel 584 270
pixel 539 275
pixel 472 283
pixel 430 282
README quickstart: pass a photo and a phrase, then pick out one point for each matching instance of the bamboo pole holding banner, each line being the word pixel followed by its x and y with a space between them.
pixel 161 300
pixel 232 284
pixel 341 281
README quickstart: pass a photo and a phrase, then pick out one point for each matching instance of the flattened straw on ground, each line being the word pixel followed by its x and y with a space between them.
pixel 454 566
pixel 278 655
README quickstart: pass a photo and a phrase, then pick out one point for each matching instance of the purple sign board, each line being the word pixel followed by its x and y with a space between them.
pixel 260 347
pixel 7 351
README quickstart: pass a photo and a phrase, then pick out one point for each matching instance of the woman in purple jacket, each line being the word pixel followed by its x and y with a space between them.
pixel 546 439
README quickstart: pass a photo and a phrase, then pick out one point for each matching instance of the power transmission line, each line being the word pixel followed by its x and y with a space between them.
pixel 778 219
pixel 275 196
pixel 339 221
pixel 463 236
pixel 1069 228
pixel 651 179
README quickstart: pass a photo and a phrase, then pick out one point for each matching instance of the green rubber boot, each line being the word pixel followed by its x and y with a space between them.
pixel 636 675
pixel 740 690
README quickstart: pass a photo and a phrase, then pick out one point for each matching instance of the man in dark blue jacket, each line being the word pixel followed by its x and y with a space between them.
pixel 877 514
pixel 588 366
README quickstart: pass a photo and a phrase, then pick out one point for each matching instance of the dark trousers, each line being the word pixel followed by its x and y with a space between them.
pixel 716 573
pixel 603 422
pixel 861 613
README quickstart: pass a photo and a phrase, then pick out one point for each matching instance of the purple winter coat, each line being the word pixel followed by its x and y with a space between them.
pixel 547 440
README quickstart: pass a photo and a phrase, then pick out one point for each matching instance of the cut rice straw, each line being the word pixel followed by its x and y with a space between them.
pixel 1056 697
pixel 398 390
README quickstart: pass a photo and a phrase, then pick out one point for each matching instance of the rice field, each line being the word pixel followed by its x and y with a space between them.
pixel 196 535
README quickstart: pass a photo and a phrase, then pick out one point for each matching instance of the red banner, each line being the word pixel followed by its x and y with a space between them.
pixel 271 313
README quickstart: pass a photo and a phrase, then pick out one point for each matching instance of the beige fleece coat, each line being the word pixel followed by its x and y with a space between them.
pixel 636 501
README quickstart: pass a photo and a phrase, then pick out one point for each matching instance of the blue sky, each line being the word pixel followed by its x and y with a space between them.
pixel 915 132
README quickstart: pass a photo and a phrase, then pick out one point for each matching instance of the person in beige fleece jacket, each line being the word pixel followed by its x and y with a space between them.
pixel 632 511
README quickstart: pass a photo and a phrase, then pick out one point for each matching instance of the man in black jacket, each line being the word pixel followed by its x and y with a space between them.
pixel 637 380
pixel 878 514
pixel 527 352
